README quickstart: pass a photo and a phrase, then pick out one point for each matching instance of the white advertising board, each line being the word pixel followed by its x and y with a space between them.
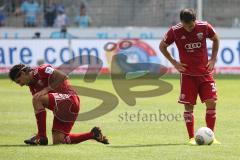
pixel 57 52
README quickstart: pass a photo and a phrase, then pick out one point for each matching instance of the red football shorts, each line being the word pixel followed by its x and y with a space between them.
pixel 191 86
pixel 65 108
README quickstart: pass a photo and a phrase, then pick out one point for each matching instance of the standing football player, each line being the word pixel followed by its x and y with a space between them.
pixel 195 69
pixel 51 89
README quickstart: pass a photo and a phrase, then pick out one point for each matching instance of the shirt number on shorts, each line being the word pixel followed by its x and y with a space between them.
pixel 214 87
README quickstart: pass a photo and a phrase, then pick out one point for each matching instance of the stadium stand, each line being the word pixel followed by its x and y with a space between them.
pixel 118 13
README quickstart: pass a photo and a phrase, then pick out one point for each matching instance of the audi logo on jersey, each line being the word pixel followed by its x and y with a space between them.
pixel 193 45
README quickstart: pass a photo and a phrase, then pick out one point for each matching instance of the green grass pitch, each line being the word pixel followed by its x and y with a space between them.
pixel 129 139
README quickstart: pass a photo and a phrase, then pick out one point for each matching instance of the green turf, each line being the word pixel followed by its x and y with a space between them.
pixel 129 140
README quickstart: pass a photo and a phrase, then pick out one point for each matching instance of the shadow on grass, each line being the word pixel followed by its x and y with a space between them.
pixel 126 146
pixel 22 145
pixel 148 145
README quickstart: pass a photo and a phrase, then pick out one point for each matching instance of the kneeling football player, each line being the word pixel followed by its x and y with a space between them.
pixel 51 89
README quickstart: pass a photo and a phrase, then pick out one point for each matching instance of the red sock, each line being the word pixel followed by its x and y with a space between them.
pixel 77 138
pixel 41 123
pixel 210 118
pixel 189 120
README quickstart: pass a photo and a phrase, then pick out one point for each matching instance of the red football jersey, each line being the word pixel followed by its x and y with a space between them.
pixel 42 75
pixel 191 46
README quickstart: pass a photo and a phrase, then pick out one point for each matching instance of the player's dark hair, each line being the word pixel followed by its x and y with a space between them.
pixel 187 15
pixel 15 71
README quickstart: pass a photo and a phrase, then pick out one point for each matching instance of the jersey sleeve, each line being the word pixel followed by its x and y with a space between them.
pixel 45 71
pixel 169 37
pixel 210 31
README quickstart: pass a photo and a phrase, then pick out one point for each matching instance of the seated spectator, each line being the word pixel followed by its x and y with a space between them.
pixel 61 19
pixel 30 9
pixel 83 20
pixel 2 17
pixel 50 13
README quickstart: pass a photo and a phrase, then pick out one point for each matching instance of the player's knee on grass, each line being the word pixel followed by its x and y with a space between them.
pixel 210 103
pixel 188 107
pixel 58 137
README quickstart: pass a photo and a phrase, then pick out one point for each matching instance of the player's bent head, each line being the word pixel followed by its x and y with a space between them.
pixel 187 15
pixel 16 71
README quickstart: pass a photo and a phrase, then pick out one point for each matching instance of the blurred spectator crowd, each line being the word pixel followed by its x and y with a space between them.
pixel 113 13
pixel 52 12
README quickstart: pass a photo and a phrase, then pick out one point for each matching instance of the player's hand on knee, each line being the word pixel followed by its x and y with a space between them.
pixel 181 67
pixel 42 92
pixel 211 64
pixel 35 98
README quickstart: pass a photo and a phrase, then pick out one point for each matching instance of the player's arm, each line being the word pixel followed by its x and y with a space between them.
pixel 57 78
pixel 163 48
pixel 215 47
pixel 54 80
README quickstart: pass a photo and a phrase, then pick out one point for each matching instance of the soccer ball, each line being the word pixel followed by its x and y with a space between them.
pixel 204 136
